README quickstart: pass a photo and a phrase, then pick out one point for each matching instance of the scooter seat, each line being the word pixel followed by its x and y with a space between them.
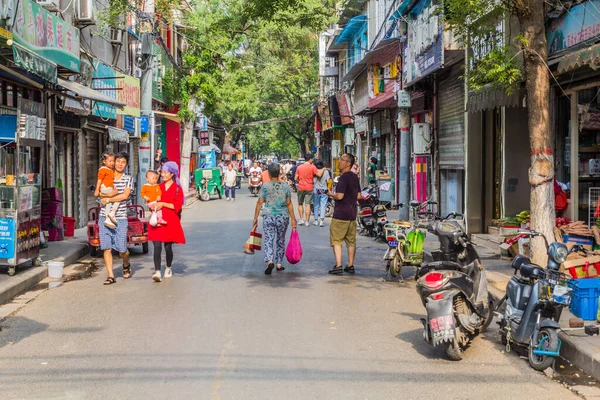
pixel 518 261
pixel 530 271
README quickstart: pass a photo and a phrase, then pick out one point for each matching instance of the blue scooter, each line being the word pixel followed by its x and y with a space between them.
pixel 535 297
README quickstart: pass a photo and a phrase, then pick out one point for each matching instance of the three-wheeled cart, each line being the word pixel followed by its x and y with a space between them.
pixel 20 184
pixel 209 181
pixel 137 229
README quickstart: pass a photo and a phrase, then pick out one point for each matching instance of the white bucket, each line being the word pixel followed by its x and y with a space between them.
pixel 55 269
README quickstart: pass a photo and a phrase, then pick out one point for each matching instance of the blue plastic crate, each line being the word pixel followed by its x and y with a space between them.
pixel 585 298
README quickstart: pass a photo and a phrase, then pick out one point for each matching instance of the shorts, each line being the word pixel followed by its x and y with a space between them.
pixel 305 196
pixel 115 239
pixel 341 231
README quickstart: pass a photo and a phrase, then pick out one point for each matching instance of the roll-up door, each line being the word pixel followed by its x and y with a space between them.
pixel 451 138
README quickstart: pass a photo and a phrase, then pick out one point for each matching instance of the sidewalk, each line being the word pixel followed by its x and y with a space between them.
pixel 581 350
pixel 67 251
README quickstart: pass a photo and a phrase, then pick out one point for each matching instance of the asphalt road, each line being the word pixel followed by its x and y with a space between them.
pixel 221 329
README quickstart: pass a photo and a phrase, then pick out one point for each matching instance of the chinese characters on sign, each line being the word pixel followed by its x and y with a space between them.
pixel 109 84
pixel 46 35
pixel 7 238
pixel 35 64
pixel 204 139
pixel 580 24
pixel 129 94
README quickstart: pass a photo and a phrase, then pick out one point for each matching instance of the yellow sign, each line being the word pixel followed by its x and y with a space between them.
pixel 129 94
pixel 5 34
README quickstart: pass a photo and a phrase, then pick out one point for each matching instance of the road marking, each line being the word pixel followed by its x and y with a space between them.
pixel 223 364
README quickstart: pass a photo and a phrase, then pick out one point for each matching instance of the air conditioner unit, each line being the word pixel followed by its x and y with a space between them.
pixel 50 5
pixel 421 135
pixel 116 36
pixel 137 129
pixel 85 11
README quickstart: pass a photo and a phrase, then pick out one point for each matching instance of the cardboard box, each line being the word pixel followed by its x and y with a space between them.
pixel 586 242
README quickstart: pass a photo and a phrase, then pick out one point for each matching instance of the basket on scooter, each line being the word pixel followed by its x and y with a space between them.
pixel 585 298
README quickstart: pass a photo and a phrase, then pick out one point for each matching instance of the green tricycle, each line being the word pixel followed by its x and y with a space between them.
pixel 209 181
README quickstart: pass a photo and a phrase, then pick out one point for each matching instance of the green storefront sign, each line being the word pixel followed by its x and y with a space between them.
pixel 161 58
pixel 35 64
pixel 46 35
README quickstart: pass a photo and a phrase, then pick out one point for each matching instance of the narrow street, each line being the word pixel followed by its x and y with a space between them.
pixel 221 329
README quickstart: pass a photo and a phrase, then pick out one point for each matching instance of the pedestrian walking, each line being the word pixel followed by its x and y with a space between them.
pixel 343 223
pixel 276 196
pixel 172 233
pixel 305 174
pixel 320 193
pixel 230 183
pixel 372 171
pixel 116 238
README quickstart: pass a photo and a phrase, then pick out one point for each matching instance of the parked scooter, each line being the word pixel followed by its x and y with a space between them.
pixel 366 218
pixel 254 183
pixel 534 301
pixel 453 290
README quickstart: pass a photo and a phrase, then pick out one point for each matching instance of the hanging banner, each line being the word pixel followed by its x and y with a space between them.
pixel 161 65
pixel 129 94
pixel 344 107
pixel 46 35
pixel 108 82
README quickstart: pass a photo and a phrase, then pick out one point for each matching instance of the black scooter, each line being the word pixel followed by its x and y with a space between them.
pixel 534 300
pixel 453 288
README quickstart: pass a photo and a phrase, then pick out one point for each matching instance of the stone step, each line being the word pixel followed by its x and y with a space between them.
pixel 490 242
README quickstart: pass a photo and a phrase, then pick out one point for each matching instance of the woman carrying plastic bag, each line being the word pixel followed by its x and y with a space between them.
pixel 278 209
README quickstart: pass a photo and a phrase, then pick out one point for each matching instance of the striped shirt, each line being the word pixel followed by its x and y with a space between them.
pixel 126 182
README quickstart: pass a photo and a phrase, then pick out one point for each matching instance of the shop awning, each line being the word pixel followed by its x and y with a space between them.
pixel 491 98
pixel 169 116
pixel 118 135
pixel 207 149
pixel 228 149
pixel 351 29
pixel 400 10
pixel 589 56
pixel 85 92
pixel 386 46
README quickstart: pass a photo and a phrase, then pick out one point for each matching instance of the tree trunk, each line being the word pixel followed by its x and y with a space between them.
pixel 541 171
pixel 186 147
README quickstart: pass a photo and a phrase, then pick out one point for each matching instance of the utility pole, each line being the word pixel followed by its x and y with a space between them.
pixel 146 64
pixel 404 125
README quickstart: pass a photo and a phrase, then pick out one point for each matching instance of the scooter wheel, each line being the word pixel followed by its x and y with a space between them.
pixel 550 342
pixel 395 266
pixel 454 352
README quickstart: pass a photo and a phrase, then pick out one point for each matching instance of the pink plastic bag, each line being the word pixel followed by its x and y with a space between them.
pixel 293 253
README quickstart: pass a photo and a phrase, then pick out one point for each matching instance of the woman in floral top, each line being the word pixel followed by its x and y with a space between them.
pixel 277 199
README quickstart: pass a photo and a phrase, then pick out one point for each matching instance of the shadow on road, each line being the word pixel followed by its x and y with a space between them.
pixel 17 328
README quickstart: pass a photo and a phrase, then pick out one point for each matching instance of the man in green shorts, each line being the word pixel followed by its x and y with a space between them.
pixel 343 223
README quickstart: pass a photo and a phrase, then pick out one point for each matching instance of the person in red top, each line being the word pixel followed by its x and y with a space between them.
pixel 304 177
pixel 171 204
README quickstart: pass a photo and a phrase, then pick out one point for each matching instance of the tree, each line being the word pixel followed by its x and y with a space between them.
pixel 475 21
pixel 249 61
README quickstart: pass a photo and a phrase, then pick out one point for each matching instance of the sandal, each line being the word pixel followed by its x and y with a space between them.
pixel 280 268
pixel 110 280
pixel 127 271
pixel 269 269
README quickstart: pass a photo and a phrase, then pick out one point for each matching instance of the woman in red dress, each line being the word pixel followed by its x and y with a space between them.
pixel 171 232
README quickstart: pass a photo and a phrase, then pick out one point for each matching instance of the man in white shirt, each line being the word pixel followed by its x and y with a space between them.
pixel 230 181
pixel 255 168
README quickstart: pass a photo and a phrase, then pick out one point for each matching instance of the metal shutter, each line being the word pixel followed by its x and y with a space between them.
pixel 451 139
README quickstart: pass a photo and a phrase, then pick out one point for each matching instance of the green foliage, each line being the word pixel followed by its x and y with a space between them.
pixel 245 53
pixel 497 69
pixel 491 62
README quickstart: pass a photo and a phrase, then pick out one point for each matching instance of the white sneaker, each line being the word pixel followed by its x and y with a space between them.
pixel 307 223
pixel 228 199
pixel 321 223
pixel 157 277
pixel 232 199
pixel 168 272
pixel 301 222
pixel 316 222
